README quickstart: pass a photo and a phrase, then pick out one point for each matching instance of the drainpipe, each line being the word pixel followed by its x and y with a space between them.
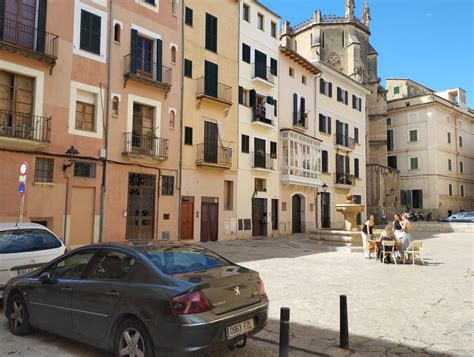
pixel 65 212
pixel 181 125
pixel 316 191
pixel 107 117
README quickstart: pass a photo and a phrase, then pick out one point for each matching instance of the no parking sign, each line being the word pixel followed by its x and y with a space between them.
pixel 22 179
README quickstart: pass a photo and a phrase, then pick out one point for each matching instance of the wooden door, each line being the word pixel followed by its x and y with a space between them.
pixel 209 221
pixel 296 213
pixel 82 216
pixel 140 207
pixel 187 218
pixel 259 217
pixel 144 56
pixel 260 64
pixel 325 210
pixel 210 142
pixel 259 154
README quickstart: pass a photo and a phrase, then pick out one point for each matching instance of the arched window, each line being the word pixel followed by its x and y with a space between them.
pixel 172 119
pixel 115 106
pixel 117 30
pixel 173 54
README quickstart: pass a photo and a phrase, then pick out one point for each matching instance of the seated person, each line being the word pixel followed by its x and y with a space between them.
pixel 386 235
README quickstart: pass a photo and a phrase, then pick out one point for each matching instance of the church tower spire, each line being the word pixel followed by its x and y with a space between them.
pixel 366 14
pixel 350 9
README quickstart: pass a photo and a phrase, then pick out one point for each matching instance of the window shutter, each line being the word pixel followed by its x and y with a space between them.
pixel 329 125
pixel 360 104
pixel 245 53
pixel 354 100
pixel 356 135
pixel 188 17
pixel 338 94
pixel 409 199
pixel 356 168
pixel 253 98
pixel 210 79
pixel 159 60
pixel 295 108
pixel 41 36
pixel 322 123
pixel 324 158
pixel 330 89
pixel 346 98
pixel 2 19
pixel 94 33
pixel 241 95
pixel 338 130
pixel 346 129
pixel 275 107
pixel 302 108
pixel 273 149
pixel 211 33
pixel 321 86
pixel 133 51
pixel 347 165
pixel 274 66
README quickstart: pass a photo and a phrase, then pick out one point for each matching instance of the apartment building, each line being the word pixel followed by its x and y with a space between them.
pixel 97 145
pixel 258 184
pixel 210 120
pixel 300 152
pixel 431 142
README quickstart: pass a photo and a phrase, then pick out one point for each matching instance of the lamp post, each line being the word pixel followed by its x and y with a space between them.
pixel 325 188
pixel 72 154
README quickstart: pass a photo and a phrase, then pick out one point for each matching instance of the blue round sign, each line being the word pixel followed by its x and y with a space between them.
pixel 22 187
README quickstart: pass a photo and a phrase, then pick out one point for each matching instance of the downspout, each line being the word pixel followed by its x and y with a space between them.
pixel 107 117
pixel 316 191
pixel 181 125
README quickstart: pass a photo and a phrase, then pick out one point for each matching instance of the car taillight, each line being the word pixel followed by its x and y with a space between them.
pixel 191 303
pixel 261 287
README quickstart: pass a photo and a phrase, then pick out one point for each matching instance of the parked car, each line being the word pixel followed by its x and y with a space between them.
pixel 25 247
pixel 141 298
pixel 459 217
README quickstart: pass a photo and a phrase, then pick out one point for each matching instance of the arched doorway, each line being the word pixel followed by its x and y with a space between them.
pixel 298 213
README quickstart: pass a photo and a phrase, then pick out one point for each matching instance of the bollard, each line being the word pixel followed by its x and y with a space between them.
pixel 284 331
pixel 344 326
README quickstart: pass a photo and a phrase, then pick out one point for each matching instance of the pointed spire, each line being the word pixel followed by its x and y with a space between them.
pixel 350 9
pixel 366 14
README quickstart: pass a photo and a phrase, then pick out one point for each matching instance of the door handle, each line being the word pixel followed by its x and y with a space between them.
pixel 112 293
pixel 66 289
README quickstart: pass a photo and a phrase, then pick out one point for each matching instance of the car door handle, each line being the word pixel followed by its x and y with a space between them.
pixel 66 289
pixel 112 293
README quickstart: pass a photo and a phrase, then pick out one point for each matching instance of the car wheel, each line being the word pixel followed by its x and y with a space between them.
pixel 18 316
pixel 133 340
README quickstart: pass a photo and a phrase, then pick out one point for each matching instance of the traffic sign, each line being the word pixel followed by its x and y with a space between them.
pixel 22 188
pixel 22 178
pixel 23 168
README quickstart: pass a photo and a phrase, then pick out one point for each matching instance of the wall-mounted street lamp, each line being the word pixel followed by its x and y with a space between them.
pixel 72 154
pixel 324 187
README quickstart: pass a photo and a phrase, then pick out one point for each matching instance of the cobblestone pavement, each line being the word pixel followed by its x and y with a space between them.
pixel 393 310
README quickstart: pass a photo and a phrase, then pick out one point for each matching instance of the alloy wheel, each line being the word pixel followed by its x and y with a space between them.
pixel 17 315
pixel 131 343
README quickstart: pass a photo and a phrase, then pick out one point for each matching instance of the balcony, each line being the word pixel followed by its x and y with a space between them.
pixel 344 141
pixel 147 72
pixel 24 130
pixel 145 148
pixel 263 161
pixel 29 41
pixel 264 114
pixel 300 120
pixel 345 179
pixel 213 155
pixel 221 93
pixel 263 74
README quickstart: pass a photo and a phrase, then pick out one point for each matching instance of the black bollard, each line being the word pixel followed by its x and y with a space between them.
pixel 284 331
pixel 344 326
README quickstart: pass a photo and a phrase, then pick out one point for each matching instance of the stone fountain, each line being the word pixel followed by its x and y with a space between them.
pixel 350 211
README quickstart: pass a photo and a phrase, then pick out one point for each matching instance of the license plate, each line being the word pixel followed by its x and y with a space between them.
pixel 239 329
pixel 24 271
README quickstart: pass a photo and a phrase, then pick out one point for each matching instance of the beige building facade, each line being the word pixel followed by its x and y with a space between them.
pixel 431 142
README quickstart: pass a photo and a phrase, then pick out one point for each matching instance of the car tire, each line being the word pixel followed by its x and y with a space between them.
pixel 132 336
pixel 18 316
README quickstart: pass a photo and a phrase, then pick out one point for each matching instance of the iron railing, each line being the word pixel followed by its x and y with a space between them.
pixel 29 37
pixel 263 161
pixel 221 92
pixel 259 114
pixel 137 67
pixel 263 72
pixel 145 145
pixel 211 153
pixel 25 126
pixel 345 140
pixel 345 179
pixel 300 120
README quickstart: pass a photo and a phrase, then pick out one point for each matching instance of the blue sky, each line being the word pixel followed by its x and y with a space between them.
pixel 429 41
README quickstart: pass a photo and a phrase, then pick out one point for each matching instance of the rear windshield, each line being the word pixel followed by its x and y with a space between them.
pixel 27 240
pixel 184 260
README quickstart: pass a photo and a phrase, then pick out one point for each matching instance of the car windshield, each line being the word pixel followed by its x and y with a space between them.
pixel 178 260
pixel 27 240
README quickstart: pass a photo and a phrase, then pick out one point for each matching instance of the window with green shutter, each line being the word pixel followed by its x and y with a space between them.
pixel 450 165
pixel 390 140
pixel 449 138
pixel 188 68
pixel 90 32
pixel 324 161
pixel 396 90
pixel 245 53
pixel 188 16
pixel 413 163
pixel 413 135
pixel 211 33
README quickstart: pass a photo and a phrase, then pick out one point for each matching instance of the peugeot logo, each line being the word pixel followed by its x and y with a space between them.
pixel 237 291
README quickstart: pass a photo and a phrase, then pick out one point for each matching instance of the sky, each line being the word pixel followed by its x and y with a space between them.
pixel 428 41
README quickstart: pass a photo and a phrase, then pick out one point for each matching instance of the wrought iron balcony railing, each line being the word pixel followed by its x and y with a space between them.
pixel 263 72
pixel 25 126
pixel 345 140
pixel 300 120
pixel 263 161
pixel 219 92
pixel 214 155
pixel 260 115
pixel 148 72
pixel 345 179
pixel 144 145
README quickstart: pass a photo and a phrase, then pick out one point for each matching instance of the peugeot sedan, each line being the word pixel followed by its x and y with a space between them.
pixel 141 299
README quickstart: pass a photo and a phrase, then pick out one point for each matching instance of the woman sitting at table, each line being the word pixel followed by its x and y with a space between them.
pixel 386 235
pixel 407 228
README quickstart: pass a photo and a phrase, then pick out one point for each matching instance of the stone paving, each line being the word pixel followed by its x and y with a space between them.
pixel 393 310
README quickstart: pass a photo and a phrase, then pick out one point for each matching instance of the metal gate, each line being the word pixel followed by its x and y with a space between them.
pixel 140 206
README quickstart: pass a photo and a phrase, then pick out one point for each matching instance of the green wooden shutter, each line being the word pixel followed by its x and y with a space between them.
pixel 159 60
pixel 295 108
pixel 409 199
pixel 274 66
pixel 329 125
pixel 241 95
pixel 133 51
pixel 330 89
pixel 321 86
pixel 41 34
pixel 210 79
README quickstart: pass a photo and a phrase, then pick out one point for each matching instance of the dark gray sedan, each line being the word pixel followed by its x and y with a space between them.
pixel 141 299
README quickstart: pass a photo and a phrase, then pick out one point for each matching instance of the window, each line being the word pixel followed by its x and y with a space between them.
pixel 389 121
pixel 174 7
pixel 72 266
pixel 167 185
pixel 16 95
pixel 291 72
pixel 413 163
pixel 85 116
pixel 117 30
pixel 303 79
pixel 245 53
pixel 356 135
pixel 392 162
pixel 450 189
pixel 356 168
pixel 151 2
pixel 413 135
pixel 211 33
pixel 210 79
pixel 27 240
pixel 450 165
pixel 241 95
pixel 414 199
pixel 273 66
pixel 246 13
pixel 324 124
pixel 273 29
pixel 188 16
pixel 84 169
pixel 274 214
pixel 324 161
pixel 188 68
pixel 461 167
pixel 172 119
pixel 115 106
pixel 449 137
pixel 260 22
pixel 260 185
pixel 245 144
pixel 462 191
pixel 325 87
pixel 44 170
pixel 188 135
pixel 342 96
pixel 143 54
pixel 396 90
pixel 357 103
pixel 90 32
pixel 173 54
pixel 112 265
pixel 228 195
pixel 460 141
pixel 273 150
pixel 390 140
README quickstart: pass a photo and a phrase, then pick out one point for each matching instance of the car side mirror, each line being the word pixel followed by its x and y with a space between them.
pixel 45 278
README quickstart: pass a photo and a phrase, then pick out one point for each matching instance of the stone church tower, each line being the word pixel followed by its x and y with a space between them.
pixel 344 43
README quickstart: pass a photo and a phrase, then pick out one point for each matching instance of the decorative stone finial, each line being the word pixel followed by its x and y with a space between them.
pixel 350 9
pixel 366 14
